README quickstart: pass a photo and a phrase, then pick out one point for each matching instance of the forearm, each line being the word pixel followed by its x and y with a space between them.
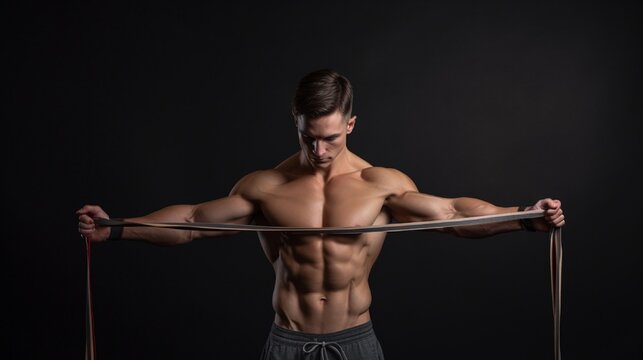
pixel 469 207
pixel 415 206
pixel 231 209
pixel 165 236
pixel 161 236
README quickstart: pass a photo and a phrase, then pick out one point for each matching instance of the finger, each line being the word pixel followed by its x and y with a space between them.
pixel 86 232
pixel 552 204
pixel 558 220
pixel 85 226
pixel 83 210
pixel 554 212
pixel 555 216
pixel 87 209
pixel 559 223
pixel 86 219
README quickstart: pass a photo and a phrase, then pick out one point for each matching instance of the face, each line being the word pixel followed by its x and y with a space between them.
pixel 324 138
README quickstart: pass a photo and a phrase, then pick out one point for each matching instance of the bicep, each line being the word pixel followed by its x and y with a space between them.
pixel 413 206
pixel 407 204
pixel 238 207
pixel 233 208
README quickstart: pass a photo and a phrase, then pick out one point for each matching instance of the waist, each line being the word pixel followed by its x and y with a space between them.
pixel 349 335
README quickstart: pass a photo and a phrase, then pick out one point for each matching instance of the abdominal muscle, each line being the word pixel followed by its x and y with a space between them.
pixel 321 282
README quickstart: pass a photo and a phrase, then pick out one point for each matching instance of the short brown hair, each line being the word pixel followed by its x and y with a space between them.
pixel 321 93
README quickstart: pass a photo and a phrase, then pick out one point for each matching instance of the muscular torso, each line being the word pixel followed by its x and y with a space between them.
pixel 321 282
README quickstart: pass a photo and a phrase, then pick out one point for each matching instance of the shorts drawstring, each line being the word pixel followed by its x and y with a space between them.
pixel 311 346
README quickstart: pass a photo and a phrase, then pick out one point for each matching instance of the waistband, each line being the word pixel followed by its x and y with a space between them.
pixel 292 337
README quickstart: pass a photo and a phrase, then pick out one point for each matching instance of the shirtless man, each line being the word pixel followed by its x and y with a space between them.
pixel 321 296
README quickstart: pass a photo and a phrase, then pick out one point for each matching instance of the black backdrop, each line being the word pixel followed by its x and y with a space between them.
pixel 135 107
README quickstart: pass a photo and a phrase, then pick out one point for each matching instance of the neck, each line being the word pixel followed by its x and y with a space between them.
pixel 341 164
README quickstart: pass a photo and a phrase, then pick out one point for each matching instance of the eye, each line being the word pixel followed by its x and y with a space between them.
pixel 331 138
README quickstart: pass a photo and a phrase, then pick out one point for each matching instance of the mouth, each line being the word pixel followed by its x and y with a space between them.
pixel 317 160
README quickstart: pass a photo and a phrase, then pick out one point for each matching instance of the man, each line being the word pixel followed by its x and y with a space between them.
pixel 321 296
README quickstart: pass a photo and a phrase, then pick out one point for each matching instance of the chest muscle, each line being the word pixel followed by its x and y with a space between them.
pixel 344 201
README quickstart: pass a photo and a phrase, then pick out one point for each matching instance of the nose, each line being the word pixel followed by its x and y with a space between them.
pixel 318 148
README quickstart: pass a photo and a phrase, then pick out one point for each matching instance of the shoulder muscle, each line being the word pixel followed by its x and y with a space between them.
pixel 393 180
pixel 253 184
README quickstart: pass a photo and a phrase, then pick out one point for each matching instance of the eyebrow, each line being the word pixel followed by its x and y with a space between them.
pixel 324 137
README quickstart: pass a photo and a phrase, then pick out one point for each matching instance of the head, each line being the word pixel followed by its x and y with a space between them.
pixel 322 110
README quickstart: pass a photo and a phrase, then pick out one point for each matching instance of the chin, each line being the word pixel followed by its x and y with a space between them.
pixel 320 165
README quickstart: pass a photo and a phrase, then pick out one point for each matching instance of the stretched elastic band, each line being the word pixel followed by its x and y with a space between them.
pixel 90 339
pixel 555 238
pixel 395 227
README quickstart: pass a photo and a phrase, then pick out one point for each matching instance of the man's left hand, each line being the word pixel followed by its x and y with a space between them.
pixel 553 214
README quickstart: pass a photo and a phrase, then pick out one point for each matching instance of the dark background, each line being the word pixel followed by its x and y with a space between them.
pixel 135 107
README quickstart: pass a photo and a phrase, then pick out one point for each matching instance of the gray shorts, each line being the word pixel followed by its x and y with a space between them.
pixel 354 343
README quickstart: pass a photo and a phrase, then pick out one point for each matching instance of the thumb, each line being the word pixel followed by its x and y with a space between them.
pixel 552 204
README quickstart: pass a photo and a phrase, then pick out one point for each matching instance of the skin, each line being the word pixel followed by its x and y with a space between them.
pixel 321 282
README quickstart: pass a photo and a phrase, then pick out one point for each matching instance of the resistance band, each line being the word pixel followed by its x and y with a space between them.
pixel 90 340
pixel 555 239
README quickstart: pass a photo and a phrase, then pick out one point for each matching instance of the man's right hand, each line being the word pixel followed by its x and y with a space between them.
pixel 86 226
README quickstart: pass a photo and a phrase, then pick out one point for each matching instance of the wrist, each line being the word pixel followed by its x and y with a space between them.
pixel 115 232
pixel 526 224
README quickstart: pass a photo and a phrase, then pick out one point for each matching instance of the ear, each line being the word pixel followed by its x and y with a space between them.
pixel 350 124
